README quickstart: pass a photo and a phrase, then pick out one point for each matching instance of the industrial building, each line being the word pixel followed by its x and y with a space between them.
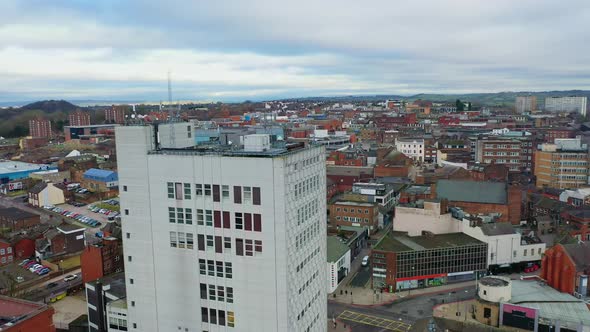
pixel 222 237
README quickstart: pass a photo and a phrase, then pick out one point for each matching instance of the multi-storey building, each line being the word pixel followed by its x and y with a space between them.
pixel 403 262
pixel 115 114
pixel 562 165
pixel 40 127
pixel 349 213
pixel 411 147
pixel 79 118
pixel 525 104
pixel 516 153
pixel 221 238
pixel 567 104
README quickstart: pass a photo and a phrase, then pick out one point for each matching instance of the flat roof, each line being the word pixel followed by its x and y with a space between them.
pixel 235 151
pixel 336 249
pixel 13 310
pixel 551 303
pixel 10 166
pixel 353 203
pixel 400 241
pixel 16 214
pixel 94 126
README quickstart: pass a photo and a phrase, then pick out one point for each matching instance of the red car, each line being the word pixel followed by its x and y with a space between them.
pixel 531 268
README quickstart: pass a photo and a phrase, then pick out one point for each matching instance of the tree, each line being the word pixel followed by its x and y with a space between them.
pixel 460 105
pixel 469 106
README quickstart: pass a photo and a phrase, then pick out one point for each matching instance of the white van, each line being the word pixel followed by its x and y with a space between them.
pixel 365 261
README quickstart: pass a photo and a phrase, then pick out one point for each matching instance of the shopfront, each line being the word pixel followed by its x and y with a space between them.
pixel 421 281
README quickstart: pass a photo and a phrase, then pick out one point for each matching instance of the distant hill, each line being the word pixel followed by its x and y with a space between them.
pixel 506 99
pixel 50 106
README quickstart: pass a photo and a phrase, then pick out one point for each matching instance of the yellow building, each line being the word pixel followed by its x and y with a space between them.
pixel 562 165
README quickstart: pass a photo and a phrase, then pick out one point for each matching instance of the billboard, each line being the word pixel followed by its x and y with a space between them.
pixel 519 317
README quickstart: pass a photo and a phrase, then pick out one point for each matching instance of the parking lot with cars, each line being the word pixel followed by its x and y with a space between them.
pixel 70 211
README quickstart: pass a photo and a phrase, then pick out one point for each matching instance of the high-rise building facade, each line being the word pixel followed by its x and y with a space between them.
pixel 40 127
pixel 567 104
pixel 515 153
pixel 221 238
pixel 562 165
pixel 525 104
pixel 115 114
pixel 79 118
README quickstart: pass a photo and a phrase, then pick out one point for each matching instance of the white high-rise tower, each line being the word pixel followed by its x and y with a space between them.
pixel 221 238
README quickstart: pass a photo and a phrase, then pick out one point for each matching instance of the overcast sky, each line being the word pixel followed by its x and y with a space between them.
pixel 257 49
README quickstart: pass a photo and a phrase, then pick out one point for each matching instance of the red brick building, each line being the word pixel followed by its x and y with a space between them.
pixel 347 158
pixel 79 118
pixel 391 122
pixel 16 219
pixel 578 223
pixel 102 259
pixel 6 252
pixel 24 248
pixel 345 176
pixel 564 264
pixel 550 134
pixel 115 114
pixel 477 197
pixel 24 316
pixel 489 172
pixel 40 127
pixel 354 214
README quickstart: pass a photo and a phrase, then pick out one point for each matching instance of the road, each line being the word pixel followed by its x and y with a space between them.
pixel 406 310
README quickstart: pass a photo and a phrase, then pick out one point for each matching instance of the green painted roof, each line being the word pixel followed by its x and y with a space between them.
pixel 472 191
pixel 336 249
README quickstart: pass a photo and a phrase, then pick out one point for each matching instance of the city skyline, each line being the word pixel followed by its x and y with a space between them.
pixel 85 50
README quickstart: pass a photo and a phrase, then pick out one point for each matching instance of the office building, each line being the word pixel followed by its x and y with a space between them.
pixel 562 165
pixel 40 127
pixel 567 104
pixel 115 114
pixel 411 147
pixel 402 262
pixel 515 153
pixel 222 238
pixel 79 118
pixel 525 104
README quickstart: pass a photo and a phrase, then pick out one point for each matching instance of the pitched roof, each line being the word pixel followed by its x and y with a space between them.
pixel 336 249
pixel 580 254
pixel 16 214
pixel 472 191
pixel 38 188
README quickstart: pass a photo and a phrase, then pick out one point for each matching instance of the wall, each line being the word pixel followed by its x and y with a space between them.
pixel 91 263
pixel 558 269
pixel 42 322
pixel 415 220
pixel 391 170
pixel 333 271
pixel 505 248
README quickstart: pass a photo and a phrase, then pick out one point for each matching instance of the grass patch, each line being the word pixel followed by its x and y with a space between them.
pixel 108 206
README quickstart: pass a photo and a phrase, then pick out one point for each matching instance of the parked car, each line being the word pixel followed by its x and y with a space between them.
pixel 70 277
pixel 43 271
pixel 24 262
pixel 52 284
pixel 29 264
pixel 20 279
pixel 365 261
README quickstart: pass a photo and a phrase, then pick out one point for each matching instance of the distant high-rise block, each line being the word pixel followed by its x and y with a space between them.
pixel 525 104
pixel 220 238
pixel 567 104
pixel 40 127
pixel 79 118
pixel 115 114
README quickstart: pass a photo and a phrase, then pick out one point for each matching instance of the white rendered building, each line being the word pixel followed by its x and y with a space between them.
pixel 567 104
pixel 411 147
pixel 221 238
